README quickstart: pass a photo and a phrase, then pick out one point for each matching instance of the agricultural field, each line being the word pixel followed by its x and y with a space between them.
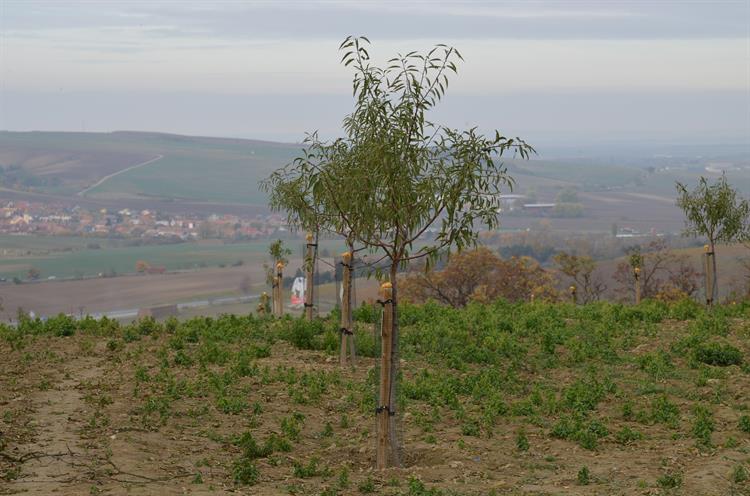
pixel 187 168
pixel 86 257
pixel 209 175
pixel 516 399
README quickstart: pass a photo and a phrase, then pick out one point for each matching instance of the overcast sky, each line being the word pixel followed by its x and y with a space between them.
pixel 553 72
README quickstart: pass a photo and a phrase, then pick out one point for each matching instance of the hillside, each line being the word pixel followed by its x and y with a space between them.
pixel 177 167
pixel 527 399
pixel 170 172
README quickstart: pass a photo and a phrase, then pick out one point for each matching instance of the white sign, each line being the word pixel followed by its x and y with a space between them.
pixel 298 292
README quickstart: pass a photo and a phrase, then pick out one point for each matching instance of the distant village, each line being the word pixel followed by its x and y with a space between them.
pixel 22 217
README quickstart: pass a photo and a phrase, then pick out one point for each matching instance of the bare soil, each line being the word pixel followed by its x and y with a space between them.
pixel 73 423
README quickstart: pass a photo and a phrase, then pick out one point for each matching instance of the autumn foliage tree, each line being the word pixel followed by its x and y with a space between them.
pixel 479 275
pixel 664 275
pixel 580 270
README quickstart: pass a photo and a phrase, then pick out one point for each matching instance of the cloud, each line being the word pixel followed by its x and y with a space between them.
pixel 575 19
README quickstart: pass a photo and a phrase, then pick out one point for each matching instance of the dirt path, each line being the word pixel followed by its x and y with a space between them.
pixel 59 455
pixel 110 176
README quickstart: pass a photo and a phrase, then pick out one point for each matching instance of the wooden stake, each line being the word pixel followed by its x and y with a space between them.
pixel 637 276
pixel 263 305
pixel 346 308
pixel 309 276
pixel 277 300
pixel 708 274
pixel 384 409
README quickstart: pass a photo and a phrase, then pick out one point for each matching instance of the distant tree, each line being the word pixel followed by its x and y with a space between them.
pixel 278 253
pixel 715 211
pixel 479 275
pixel 455 283
pixel 567 195
pixel 567 210
pixel 33 273
pixel 615 229
pixel 664 273
pixel 580 271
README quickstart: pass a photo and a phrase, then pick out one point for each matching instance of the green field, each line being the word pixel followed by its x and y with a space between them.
pixel 223 176
pixel 525 399
pixel 69 257
pixel 201 169
pixel 219 170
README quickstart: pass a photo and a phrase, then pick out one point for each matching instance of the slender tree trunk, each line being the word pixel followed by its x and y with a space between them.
pixel 347 337
pixel 312 248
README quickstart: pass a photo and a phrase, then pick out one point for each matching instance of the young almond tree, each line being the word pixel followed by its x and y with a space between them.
pixel 396 174
pixel 717 212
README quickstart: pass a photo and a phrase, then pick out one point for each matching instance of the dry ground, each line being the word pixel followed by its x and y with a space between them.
pixel 81 415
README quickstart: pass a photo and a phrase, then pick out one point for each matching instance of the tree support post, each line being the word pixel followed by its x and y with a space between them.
pixel 637 277
pixel 310 276
pixel 385 410
pixel 263 305
pixel 347 331
pixel 279 280
pixel 708 270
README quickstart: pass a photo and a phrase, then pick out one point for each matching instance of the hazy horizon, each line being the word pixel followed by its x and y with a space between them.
pixel 574 74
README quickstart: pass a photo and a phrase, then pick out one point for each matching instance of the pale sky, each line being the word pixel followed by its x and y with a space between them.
pixel 552 71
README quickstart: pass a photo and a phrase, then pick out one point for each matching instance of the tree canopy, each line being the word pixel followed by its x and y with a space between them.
pixel 395 174
pixel 715 211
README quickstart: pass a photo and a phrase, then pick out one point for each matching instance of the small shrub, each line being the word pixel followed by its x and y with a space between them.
pixel 291 426
pixel 311 469
pixel 251 449
pixel 522 442
pixel 367 486
pixel 740 474
pixel 627 410
pixel 368 314
pixel 245 471
pixel 327 430
pixel 664 411
pixel 575 429
pixel 658 364
pixel 231 404
pixel 470 428
pixel 584 477
pixel 182 359
pixel 744 424
pixel 703 425
pixel 718 354
pixel 670 480
pixel 626 435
